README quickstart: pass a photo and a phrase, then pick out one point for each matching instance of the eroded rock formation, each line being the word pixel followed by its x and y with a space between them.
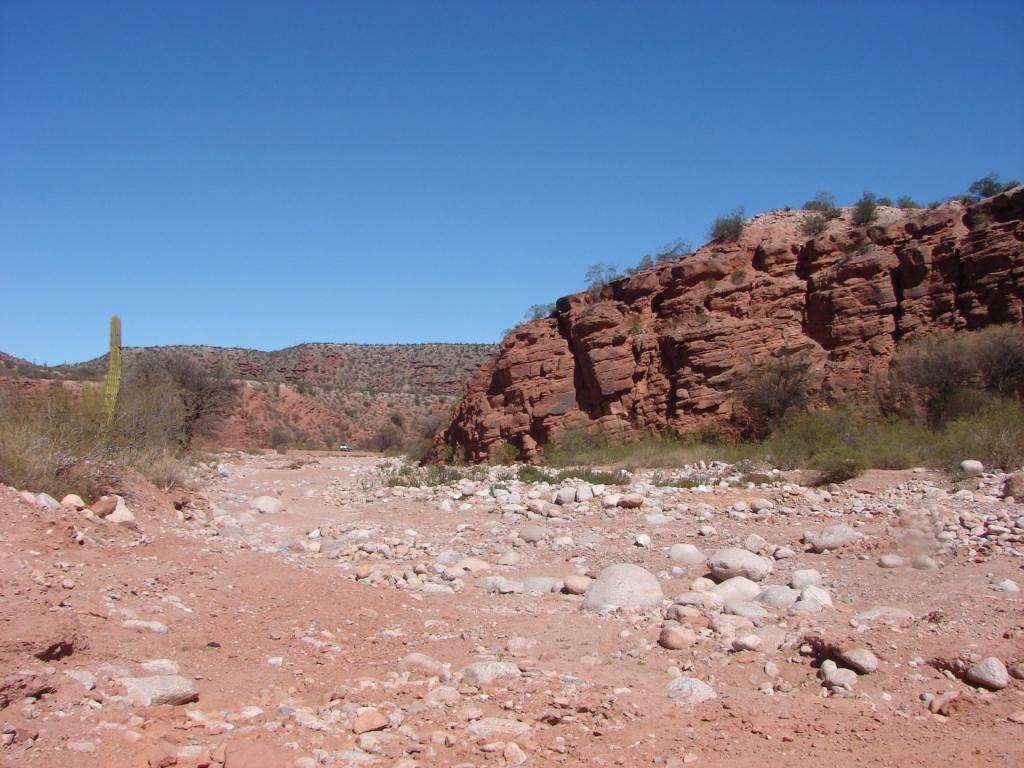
pixel 664 347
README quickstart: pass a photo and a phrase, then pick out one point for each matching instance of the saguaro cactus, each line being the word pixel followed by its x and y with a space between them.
pixel 113 383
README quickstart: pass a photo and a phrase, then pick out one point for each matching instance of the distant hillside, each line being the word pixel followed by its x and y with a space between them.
pixel 424 369
pixel 377 396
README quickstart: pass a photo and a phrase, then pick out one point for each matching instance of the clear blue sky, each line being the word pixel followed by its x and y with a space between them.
pixel 265 173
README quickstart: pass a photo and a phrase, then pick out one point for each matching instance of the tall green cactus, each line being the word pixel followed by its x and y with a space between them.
pixel 113 383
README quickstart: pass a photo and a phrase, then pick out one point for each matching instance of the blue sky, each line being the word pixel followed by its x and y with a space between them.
pixel 261 174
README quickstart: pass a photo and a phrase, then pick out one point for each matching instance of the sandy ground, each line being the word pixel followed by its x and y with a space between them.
pixel 292 655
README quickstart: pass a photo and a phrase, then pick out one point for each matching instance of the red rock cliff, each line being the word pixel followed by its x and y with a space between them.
pixel 664 347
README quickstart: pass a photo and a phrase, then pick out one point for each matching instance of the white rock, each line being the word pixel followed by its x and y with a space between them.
pixel 726 563
pixel 160 689
pixel 623 586
pixel 487 727
pixel 988 673
pixel 160 667
pixel 686 554
pixel 689 691
pixel 971 467
pixel 860 660
pixel 832 537
pixel 642 540
pixel 483 672
pixel 736 588
pixel 139 625
pixel 267 505
pixel 805 577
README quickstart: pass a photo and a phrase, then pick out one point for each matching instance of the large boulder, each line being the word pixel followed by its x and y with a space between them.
pixel 727 563
pixel 622 587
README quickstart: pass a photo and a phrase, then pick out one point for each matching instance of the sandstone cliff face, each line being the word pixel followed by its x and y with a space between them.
pixel 664 348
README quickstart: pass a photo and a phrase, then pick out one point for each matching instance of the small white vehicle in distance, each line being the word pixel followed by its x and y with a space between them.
pixel 344 447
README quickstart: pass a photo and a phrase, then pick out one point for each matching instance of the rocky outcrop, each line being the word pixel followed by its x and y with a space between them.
pixel 665 347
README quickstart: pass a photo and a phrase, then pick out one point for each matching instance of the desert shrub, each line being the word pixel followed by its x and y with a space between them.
pixel 824 203
pixel 599 275
pixel 206 393
pixel 814 225
pixel 432 475
pixel 844 441
pixel 279 437
pixel 49 443
pixel 727 228
pixel 527 473
pixel 988 186
pixel 504 453
pixel 738 276
pixel 907 202
pixel 645 263
pixel 581 448
pixel 539 311
pixel 865 210
pixel 771 389
pixel 887 201
pixel 992 434
pixel 933 372
pixel 674 250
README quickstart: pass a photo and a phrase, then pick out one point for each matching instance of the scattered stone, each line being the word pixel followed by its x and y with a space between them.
pixel 891 561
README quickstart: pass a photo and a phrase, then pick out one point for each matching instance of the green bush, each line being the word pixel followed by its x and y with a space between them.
pixel 865 210
pixel 727 228
pixel 907 202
